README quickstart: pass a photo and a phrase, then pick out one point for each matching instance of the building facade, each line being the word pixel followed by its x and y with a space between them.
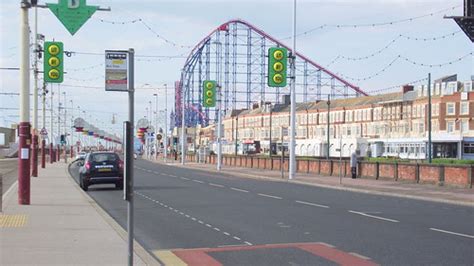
pixel 384 125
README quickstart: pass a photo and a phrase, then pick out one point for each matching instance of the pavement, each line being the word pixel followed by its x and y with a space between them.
pixel 403 189
pixel 62 226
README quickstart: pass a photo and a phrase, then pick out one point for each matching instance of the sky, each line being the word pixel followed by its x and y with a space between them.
pixel 185 23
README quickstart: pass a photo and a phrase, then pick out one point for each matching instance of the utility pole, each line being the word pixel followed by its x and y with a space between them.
pixel 166 123
pixel 219 129
pixel 34 146
pixel 24 126
pixel 183 112
pixel 429 119
pixel 51 122
pixel 70 127
pixel 292 168
pixel 43 137
pixel 65 128
pixel 129 170
pixel 329 127
pixel 58 155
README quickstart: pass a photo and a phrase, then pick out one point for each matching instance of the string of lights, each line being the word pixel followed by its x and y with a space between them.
pixel 397 86
pixel 377 24
pixel 435 38
pixel 150 29
pixel 410 61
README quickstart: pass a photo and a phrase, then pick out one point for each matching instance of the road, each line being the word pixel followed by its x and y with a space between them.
pixel 232 219
pixel 9 172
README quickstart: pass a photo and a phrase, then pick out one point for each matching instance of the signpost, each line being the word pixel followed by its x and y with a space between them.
pixel 119 76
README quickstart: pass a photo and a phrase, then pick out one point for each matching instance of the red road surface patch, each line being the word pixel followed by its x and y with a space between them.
pixel 200 256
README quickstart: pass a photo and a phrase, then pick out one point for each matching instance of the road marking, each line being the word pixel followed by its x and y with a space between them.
pixel 13 220
pixel 215 185
pixel 208 225
pixel 360 256
pixel 311 204
pixel 169 258
pixel 185 178
pixel 452 233
pixel 375 217
pixel 236 238
pixel 217 229
pixel 155 172
pixel 325 244
pixel 201 222
pixel 226 246
pixel 197 181
pixel 172 175
pixel 238 189
pixel 227 234
pixel 187 216
pixel 194 219
pixel 269 196
pixel 248 243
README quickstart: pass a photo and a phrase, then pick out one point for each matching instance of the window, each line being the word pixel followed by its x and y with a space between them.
pixel 464 108
pixel 450 126
pixel 464 126
pixel 469 147
pixel 450 109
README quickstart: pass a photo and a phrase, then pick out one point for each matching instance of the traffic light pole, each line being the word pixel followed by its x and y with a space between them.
pixel 43 140
pixel 166 123
pixel 129 152
pixel 183 101
pixel 219 130
pixel 24 132
pixel 292 167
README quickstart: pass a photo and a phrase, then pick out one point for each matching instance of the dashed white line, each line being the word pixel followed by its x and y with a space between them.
pixel 325 244
pixel 311 204
pixel 215 185
pixel 375 217
pixel 194 219
pixel 248 243
pixel 452 233
pixel 172 175
pixel 240 190
pixel 201 222
pixel 208 225
pixel 269 196
pixel 217 229
pixel 185 178
pixel 197 181
pixel 227 234
pixel 236 238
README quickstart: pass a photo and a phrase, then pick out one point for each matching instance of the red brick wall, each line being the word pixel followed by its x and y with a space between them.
pixel 429 174
pixel 325 167
pixel 335 168
pixel 276 164
pixel 456 176
pixel 313 166
pixel 407 172
pixel 302 166
pixel 386 170
pixel 367 169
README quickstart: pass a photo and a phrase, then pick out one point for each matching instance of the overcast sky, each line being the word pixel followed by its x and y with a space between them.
pixel 187 22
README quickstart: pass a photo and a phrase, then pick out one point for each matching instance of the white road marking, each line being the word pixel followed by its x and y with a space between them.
pixel 215 185
pixel 240 190
pixel 172 175
pixel 311 204
pixel 194 219
pixel 360 256
pixel 325 244
pixel 452 233
pixel 201 222
pixel 224 246
pixel 375 217
pixel 248 243
pixel 269 196
pixel 155 172
pixel 187 216
pixel 185 178
pixel 217 229
pixel 227 234
pixel 197 181
pixel 236 238
pixel 208 225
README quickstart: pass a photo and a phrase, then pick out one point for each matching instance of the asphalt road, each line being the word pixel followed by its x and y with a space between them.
pixel 179 208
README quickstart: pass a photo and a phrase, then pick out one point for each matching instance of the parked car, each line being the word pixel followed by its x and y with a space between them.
pixel 101 168
pixel 81 155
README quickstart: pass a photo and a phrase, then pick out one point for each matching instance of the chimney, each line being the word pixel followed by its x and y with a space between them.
pixel 286 100
pixel 255 106
pixel 407 88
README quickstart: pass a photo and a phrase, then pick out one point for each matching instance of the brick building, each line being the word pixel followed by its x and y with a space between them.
pixel 392 124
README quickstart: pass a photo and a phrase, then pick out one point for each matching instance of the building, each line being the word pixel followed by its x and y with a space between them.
pixel 388 125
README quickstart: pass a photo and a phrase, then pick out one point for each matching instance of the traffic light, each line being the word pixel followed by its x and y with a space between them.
pixel 53 66
pixel 277 66
pixel 209 93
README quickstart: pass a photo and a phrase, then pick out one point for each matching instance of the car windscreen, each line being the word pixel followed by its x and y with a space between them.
pixel 103 157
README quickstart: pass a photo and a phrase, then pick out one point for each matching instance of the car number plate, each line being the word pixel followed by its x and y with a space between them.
pixel 105 170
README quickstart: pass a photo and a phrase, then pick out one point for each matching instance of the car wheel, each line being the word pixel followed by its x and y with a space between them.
pixel 84 185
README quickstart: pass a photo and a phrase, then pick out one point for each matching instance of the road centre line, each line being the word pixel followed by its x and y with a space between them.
pixel 185 178
pixel 269 196
pixel 215 185
pixel 375 217
pixel 452 233
pixel 360 256
pixel 240 190
pixel 311 204
pixel 198 181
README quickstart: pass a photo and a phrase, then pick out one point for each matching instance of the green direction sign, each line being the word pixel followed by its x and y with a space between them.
pixel 72 13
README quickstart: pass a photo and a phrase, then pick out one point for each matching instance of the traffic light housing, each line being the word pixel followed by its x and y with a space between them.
pixel 209 93
pixel 277 66
pixel 53 67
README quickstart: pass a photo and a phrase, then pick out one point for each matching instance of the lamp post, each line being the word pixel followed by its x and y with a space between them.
pixel 292 168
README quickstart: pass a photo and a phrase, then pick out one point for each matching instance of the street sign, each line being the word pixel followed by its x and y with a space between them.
pixel 44 132
pixel 72 13
pixel 116 66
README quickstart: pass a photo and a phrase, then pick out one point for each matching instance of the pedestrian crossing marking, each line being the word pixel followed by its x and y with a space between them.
pixel 12 220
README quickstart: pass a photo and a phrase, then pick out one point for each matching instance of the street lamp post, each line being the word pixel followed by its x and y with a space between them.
pixel 292 167
pixel 165 142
